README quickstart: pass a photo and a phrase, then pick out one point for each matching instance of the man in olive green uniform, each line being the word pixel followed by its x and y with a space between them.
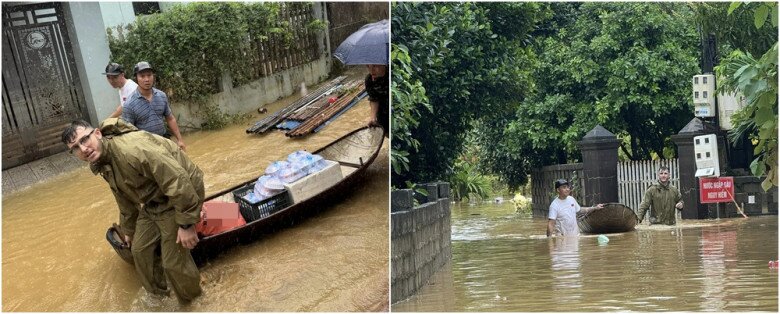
pixel 159 192
pixel 663 198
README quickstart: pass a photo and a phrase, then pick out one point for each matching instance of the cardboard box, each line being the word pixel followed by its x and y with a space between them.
pixel 315 183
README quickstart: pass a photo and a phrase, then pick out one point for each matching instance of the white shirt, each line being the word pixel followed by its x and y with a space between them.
pixel 564 212
pixel 125 91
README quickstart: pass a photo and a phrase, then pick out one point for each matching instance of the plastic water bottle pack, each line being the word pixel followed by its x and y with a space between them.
pixel 297 155
pixel 267 186
pixel 275 168
pixel 298 165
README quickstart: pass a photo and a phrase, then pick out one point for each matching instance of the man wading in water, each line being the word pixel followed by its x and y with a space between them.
pixel 159 192
pixel 664 198
pixel 562 220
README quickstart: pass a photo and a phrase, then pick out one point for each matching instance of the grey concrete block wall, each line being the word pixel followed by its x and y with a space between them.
pixel 420 237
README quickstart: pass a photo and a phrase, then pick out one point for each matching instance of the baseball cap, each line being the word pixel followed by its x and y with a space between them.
pixel 140 66
pixel 560 182
pixel 114 69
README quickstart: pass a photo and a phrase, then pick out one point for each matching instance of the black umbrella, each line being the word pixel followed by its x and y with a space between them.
pixel 368 45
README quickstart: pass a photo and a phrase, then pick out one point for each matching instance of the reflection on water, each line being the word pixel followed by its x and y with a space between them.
pixel 55 257
pixel 565 266
pixel 501 261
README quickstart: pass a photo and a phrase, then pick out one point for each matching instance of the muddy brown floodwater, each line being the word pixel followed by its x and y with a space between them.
pixel 55 256
pixel 502 261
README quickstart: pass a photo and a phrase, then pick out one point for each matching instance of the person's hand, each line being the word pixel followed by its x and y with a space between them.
pixel 128 240
pixel 372 122
pixel 599 206
pixel 679 205
pixel 187 237
pixel 181 145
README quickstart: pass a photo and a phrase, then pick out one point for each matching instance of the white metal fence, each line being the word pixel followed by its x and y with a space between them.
pixel 634 177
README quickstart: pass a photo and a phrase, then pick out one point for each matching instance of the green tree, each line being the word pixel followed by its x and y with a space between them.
pixel 466 181
pixel 756 79
pixel 466 68
pixel 409 101
pixel 735 28
pixel 192 45
pixel 626 66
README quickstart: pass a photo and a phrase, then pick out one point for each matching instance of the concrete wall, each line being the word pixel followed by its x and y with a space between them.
pixel 254 95
pixel 117 13
pixel 763 203
pixel 420 238
pixel 90 51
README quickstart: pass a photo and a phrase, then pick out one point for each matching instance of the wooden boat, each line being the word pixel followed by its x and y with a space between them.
pixel 613 218
pixel 354 152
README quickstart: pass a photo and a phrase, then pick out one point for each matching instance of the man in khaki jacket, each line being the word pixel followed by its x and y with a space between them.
pixel 159 192
pixel 663 198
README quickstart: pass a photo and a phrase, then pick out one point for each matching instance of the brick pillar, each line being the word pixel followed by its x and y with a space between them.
pixel 689 184
pixel 599 161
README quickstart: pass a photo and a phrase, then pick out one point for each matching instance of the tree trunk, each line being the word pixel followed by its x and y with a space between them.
pixel 634 148
pixel 625 151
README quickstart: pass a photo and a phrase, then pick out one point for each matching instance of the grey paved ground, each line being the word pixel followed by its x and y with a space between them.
pixel 26 175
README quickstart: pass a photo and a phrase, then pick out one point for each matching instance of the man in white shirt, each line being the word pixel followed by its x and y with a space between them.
pixel 115 75
pixel 562 219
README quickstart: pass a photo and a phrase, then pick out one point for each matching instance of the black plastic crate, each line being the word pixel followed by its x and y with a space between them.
pixel 262 209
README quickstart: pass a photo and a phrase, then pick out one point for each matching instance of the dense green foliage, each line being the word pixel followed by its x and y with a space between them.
pixel 532 79
pixel 735 28
pixel 408 102
pixel 757 80
pixel 192 45
pixel 625 66
pixel 466 68
pixel 467 182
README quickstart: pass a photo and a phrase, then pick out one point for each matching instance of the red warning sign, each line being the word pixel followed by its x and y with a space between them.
pixel 716 190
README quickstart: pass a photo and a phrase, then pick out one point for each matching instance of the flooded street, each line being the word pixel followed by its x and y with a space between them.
pixel 56 258
pixel 501 261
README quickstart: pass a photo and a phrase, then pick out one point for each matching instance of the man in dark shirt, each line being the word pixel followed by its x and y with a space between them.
pixel 377 87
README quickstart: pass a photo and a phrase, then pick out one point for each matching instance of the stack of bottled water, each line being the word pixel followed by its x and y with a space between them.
pixel 267 186
pixel 305 162
pixel 298 165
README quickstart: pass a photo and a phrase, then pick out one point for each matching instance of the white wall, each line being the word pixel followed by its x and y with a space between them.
pixel 117 13
pixel 90 51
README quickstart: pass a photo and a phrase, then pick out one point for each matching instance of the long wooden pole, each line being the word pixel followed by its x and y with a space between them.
pixel 735 204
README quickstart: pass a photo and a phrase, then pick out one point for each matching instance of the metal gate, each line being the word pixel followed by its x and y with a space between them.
pixel 41 89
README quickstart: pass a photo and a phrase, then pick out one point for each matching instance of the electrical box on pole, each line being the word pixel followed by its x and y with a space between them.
pixel 706 149
pixel 704 96
pixel 727 105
